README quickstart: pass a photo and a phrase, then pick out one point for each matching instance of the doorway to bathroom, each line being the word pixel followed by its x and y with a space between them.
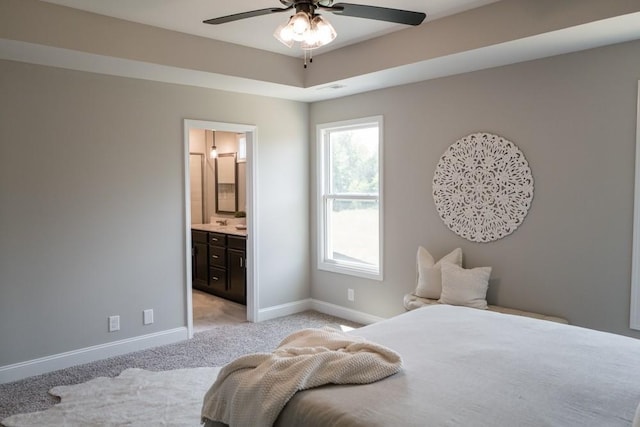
pixel 220 232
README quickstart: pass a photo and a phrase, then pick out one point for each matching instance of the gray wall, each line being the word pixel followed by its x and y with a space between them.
pixel 91 223
pixel 91 204
pixel 574 118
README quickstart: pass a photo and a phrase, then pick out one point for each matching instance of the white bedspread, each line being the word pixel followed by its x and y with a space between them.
pixel 252 390
pixel 468 367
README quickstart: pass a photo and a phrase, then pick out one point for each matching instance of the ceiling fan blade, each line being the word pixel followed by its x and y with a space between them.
pixel 244 15
pixel 378 13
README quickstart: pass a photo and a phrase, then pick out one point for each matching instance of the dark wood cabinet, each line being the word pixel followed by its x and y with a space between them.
pixel 218 264
pixel 236 277
pixel 199 259
pixel 236 268
pixel 223 257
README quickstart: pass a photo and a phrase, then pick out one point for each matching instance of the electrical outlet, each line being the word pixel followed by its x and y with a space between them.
pixel 114 323
pixel 147 317
pixel 351 295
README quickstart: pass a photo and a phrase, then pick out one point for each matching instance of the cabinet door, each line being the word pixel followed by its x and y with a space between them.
pixel 236 276
pixel 199 265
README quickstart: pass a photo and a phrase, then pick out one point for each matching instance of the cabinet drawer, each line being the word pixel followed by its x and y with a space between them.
pixel 198 236
pixel 217 279
pixel 217 239
pixel 237 242
pixel 217 256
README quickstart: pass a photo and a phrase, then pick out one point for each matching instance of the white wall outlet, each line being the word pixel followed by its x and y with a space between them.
pixel 147 317
pixel 351 295
pixel 114 323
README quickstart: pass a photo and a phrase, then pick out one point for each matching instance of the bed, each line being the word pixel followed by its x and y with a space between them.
pixel 470 367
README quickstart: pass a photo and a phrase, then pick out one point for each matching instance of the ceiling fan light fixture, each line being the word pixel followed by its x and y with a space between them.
pixel 284 35
pixel 300 24
pixel 320 34
pixel 323 30
pixel 311 33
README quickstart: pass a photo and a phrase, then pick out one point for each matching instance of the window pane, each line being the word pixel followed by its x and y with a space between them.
pixel 353 231
pixel 354 161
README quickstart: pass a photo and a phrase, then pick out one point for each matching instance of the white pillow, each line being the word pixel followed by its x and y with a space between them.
pixel 429 274
pixel 467 287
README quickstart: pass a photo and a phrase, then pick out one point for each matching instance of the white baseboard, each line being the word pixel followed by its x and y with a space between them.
pixel 284 309
pixel 344 312
pixel 320 306
pixel 18 371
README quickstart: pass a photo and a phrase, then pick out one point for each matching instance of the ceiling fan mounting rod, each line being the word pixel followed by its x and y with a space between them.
pixel 310 6
pixel 306 6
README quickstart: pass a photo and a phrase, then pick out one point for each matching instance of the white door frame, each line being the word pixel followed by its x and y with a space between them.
pixel 634 317
pixel 252 213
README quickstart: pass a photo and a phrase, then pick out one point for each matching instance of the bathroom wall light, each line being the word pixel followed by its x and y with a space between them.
pixel 214 151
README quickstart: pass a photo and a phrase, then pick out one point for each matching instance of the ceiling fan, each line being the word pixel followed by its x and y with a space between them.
pixel 311 30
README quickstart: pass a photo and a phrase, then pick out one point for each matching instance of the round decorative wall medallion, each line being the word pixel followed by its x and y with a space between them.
pixel 483 187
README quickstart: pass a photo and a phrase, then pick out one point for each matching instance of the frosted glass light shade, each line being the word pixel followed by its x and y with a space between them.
pixel 320 34
pixel 300 23
pixel 310 33
pixel 284 35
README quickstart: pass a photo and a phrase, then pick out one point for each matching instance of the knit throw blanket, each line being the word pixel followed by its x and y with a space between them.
pixel 253 389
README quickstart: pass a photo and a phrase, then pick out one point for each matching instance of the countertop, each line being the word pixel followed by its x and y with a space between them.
pixel 217 228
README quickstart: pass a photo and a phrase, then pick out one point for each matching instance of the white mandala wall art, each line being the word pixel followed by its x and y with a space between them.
pixel 483 187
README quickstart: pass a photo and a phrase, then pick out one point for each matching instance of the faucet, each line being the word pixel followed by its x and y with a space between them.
pixel 222 222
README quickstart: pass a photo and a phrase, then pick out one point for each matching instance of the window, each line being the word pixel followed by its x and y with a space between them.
pixel 350 197
pixel 242 148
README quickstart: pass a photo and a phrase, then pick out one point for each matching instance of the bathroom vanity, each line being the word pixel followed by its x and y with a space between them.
pixel 218 260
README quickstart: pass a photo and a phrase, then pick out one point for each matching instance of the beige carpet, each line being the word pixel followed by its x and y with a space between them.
pixel 134 398
pixel 212 347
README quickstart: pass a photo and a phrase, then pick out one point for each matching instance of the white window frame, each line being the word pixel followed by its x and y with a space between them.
pixel 323 186
pixel 634 318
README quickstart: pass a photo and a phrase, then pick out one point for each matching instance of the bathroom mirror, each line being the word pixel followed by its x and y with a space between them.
pixel 226 184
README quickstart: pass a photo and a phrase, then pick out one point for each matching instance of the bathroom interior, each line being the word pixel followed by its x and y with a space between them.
pixel 218 190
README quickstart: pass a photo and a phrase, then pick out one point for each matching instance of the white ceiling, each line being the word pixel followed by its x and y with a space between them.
pixel 187 15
